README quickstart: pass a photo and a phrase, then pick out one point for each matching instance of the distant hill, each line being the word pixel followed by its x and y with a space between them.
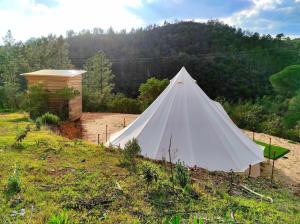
pixel 225 61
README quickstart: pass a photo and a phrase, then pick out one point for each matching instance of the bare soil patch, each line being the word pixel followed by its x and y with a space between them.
pixel 95 123
pixel 287 169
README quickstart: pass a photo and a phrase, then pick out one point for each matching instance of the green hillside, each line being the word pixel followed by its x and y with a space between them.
pixel 58 178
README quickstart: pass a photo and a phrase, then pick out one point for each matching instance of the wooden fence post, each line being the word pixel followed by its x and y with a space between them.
pixel 249 170
pixel 270 149
pixel 124 124
pixel 106 133
pixel 274 153
pixel 98 139
pixel 253 136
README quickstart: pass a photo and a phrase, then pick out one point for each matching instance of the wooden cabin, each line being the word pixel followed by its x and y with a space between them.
pixel 54 80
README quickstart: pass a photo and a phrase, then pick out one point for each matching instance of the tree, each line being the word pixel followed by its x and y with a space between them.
pixel 47 52
pixel 97 83
pixel 287 81
pixel 293 114
pixel 150 90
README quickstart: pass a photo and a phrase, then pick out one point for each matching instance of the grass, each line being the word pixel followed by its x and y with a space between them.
pixel 269 151
pixel 79 182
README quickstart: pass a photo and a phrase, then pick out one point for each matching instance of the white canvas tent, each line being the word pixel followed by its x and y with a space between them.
pixel 202 132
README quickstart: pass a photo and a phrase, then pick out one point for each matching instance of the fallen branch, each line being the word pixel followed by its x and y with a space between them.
pixel 255 193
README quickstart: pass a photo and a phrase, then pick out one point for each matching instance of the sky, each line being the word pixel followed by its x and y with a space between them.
pixel 35 18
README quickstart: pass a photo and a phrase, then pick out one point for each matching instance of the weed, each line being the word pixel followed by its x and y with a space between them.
pixel 150 174
pixel 22 134
pixel 182 174
pixel 130 152
pixel 14 183
pixel 60 218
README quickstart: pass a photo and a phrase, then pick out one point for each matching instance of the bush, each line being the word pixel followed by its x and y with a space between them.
pixel 130 152
pixel 248 116
pixel 48 118
pixel 182 174
pixel 21 135
pixel 123 104
pixel 36 100
pixel 150 90
pixel 150 174
pixel 14 183
pixel 61 218
pixel 273 125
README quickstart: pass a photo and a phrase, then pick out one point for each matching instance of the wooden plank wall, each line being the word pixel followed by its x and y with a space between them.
pixel 55 83
pixel 75 105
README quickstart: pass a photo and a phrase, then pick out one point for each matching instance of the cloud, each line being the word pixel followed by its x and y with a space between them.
pixel 34 18
pixel 29 18
pixel 269 17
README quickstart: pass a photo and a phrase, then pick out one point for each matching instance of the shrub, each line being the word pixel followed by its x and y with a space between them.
pixel 247 115
pixel 150 174
pixel 273 125
pixel 36 100
pixel 64 95
pixel 49 119
pixel 21 135
pixel 14 183
pixel 130 152
pixel 60 218
pixel 123 104
pixel 182 174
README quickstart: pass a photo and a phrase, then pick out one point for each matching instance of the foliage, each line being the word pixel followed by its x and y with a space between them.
pixel 47 52
pixel 150 90
pixel 182 174
pixel 21 135
pixel 150 174
pixel 11 97
pixel 64 96
pixel 246 115
pixel 224 60
pixel 293 114
pixel 130 152
pixel 54 179
pixel 14 183
pixel 123 104
pixel 287 80
pixel 37 100
pixel 97 83
pixel 49 119
pixel 61 218
pixel 17 58
pixel 272 125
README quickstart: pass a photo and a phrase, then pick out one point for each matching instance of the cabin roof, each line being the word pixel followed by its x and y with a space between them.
pixel 55 73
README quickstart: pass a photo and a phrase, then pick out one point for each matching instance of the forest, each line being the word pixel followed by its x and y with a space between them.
pixel 252 75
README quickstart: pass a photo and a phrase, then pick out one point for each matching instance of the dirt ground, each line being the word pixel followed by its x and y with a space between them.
pixel 95 123
pixel 286 169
